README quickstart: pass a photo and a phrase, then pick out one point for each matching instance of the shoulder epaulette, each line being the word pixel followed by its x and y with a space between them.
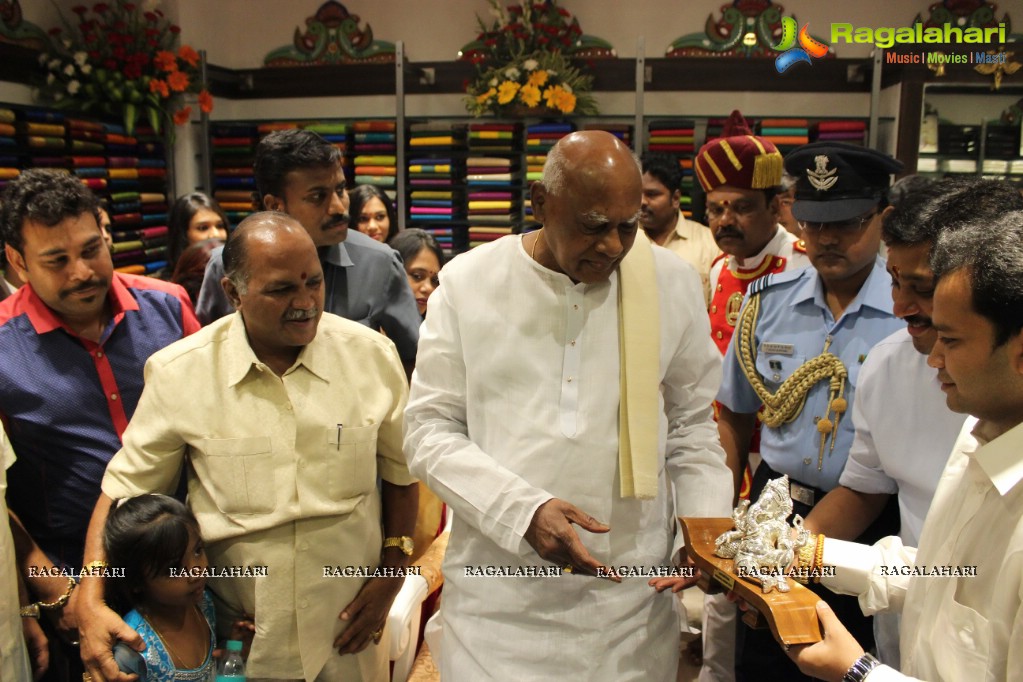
pixel 799 246
pixel 773 279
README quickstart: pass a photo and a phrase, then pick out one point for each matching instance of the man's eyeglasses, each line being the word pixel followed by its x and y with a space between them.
pixel 850 226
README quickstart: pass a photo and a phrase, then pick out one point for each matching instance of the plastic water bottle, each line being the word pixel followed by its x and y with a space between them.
pixel 232 667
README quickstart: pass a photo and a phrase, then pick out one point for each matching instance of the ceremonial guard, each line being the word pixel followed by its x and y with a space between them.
pixel 742 175
pixel 799 341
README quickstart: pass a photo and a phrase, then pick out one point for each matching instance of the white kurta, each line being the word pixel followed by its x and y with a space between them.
pixel 954 628
pixel 515 401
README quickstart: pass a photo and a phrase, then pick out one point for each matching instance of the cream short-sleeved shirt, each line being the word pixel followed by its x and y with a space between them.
pixel 282 473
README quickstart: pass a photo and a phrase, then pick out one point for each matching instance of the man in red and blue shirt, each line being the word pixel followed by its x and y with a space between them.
pixel 74 341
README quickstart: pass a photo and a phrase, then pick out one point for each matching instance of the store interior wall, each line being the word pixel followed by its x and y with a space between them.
pixel 238 33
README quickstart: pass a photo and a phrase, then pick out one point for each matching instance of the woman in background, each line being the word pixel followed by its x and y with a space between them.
pixel 193 218
pixel 423 260
pixel 191 266
pixel 373 213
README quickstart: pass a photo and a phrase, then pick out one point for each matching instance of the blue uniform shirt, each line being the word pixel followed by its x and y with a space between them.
pixel 795 322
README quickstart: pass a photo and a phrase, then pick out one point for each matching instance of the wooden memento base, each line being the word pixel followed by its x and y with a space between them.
pixel 791 616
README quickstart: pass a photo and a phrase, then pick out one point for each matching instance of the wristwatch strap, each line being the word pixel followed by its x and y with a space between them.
pixel 859 670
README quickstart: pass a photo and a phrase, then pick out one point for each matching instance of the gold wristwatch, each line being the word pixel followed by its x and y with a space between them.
pixel 404 543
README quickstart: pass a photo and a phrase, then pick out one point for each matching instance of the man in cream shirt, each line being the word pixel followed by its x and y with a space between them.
pixel 591 398
pixel 282 419
pixel 662 218
pixel 960 591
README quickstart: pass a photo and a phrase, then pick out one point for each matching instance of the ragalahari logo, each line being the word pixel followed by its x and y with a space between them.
pixel 808 49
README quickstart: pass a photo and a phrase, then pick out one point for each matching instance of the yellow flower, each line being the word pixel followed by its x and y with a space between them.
pixel 506 91
pixel 529 95
pixel 538 78
pixel 566 103
pixel 551 94
pixel 483 97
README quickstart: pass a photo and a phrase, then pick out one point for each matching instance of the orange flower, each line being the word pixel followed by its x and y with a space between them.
pixel 178 81
pixel 157 85
pixel 182 115
pixel 188 55
pixel 205 101
pixel 166 61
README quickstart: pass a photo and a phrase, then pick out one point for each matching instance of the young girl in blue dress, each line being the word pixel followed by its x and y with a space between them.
pixel 156 540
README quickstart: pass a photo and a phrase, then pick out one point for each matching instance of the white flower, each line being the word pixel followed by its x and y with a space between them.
pixel 530 64
pixel 73 87
pixel 81 58
pixel 42 58
pixel 67 43
pixel 57 96
pixel 86 69
pixel 69 70
pixel 566 87
pixel 511 73
pixel 50 78
pixel 53 65
pixel 552 73
pixel 493 82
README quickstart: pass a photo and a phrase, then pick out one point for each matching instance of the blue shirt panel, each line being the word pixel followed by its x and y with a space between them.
pixel 56 415
pixel 795 314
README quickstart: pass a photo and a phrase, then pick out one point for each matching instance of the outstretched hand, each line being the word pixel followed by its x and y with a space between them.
pixel 830 658
pixel 551 534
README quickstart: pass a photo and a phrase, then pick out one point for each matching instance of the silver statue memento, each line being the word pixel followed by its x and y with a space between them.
pixel 762 544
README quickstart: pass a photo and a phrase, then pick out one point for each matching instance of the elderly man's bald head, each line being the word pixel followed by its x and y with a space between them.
pixel 266 226
pixel 589 204
pixel 586 156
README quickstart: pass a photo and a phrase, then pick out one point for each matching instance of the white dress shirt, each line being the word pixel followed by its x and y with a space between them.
pixel 956 628
pixel 514 401
pixel 904 431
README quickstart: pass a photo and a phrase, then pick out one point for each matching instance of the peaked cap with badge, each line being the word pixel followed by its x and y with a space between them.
pixel 836 181
pixel 739 159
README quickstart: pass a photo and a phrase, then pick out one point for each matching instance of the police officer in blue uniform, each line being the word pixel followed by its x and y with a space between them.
pixel 795 356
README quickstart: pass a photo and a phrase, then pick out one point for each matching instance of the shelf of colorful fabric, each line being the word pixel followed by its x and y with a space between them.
pixel 234 148
pixel 124 184
pixel 494 179
pixel 785 133
pixel 436 181
pixel 375 138
pixel 677 137
pixel 623 131
pixel 852 132
pixel 540 137
pixel 672 136
pixel 10 167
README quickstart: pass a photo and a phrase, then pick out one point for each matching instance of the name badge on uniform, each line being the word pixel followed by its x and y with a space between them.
pixel 777 348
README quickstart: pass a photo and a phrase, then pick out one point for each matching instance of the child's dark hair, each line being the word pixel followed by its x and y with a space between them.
pixel 146 536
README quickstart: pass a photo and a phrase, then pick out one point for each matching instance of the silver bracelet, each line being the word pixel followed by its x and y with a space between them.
pixel 859 670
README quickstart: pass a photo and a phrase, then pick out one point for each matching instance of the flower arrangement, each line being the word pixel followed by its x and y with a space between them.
pixel 522 64
pixel 122 61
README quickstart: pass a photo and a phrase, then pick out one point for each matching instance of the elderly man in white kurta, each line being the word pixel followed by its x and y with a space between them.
pixel 560 382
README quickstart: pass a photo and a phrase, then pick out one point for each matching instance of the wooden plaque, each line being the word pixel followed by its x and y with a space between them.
pixel 791 616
